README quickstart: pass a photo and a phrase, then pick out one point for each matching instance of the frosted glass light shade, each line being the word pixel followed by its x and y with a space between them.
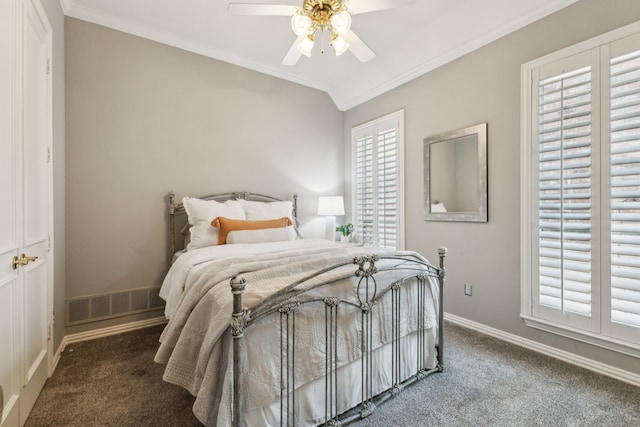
pixel 341 22
pixel 300 23
pixel 305 46
pixel 331 205
pixel 340 45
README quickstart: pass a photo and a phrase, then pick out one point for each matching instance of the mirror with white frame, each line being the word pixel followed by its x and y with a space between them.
pixel 455 175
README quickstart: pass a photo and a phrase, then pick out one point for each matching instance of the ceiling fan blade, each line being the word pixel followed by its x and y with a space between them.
pixel 261 9
pixel 363 6
pixel 358 47
pixel 292 57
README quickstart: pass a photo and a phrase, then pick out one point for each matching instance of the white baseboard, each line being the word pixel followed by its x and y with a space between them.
pixel 56 357
pixel 565 356
pixel 111 330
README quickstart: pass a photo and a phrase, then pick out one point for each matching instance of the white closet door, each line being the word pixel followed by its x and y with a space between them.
pixel 9 361
pixel 35 190
pixel 25 214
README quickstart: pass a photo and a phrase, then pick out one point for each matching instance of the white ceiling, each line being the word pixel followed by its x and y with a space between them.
pixel 408 41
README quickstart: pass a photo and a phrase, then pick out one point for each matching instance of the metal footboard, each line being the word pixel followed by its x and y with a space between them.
pixel 287 303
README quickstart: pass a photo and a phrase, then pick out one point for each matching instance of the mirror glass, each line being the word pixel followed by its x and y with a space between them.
pixel 455 175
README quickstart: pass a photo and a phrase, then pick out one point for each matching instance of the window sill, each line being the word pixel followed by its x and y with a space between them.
pixel 613 344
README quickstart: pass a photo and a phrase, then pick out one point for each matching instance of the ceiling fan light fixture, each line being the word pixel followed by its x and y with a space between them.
pixel 306 45
pixel 316 17
pixel 300 23
pixel 341 22
pixel 339 44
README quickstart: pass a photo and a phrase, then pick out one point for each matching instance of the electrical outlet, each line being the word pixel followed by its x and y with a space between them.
pixel 468 288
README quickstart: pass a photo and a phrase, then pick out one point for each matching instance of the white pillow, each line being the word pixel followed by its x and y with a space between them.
pixel 260 211
pixel 262 236
pixel 200 214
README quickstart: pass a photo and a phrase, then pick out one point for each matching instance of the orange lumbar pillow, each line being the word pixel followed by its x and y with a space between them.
pixel 227 225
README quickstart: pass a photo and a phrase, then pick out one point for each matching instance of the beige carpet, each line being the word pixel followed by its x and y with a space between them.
pixel 113 381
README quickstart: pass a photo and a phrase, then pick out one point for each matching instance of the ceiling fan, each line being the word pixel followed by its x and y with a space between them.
pixel 316 16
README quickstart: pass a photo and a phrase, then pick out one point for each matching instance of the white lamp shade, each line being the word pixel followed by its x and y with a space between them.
pixel 331 205
pixel 340 45
pixel 341 22
pixel 305 46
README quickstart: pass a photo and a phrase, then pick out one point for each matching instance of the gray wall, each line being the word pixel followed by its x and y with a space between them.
pixel 484 86
pixel 144 118
pixel 56 19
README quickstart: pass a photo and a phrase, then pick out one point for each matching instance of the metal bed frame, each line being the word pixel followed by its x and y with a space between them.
pixel 287 301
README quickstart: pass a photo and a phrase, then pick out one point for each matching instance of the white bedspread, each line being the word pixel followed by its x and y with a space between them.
pixel 185 268
pixel 195 345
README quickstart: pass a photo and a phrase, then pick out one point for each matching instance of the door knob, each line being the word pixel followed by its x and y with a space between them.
pixel 23 260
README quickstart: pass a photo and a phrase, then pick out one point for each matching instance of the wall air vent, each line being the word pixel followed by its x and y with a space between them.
pixel 93 308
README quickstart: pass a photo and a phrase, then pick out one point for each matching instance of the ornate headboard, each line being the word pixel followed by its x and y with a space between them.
pixel 178 217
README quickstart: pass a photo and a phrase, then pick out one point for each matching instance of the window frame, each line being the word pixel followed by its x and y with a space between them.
pixel 373 127
pixel 596 334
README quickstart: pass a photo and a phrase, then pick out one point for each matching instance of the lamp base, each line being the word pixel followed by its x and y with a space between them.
pixel 330 230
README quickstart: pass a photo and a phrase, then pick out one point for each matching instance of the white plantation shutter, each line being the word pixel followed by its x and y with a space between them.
pixel 363 194
pixel 387 188
pixel 564 171
pixel 377 183
pixel 625 188
pixel 581 201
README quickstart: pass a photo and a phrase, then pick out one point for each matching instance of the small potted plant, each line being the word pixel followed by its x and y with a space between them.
pixel 345 231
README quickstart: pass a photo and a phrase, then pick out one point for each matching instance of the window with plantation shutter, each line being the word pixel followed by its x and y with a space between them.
pixel 363 191
pixel 377 183
pixel 581 192
pixel 625 188
pixel 564 191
